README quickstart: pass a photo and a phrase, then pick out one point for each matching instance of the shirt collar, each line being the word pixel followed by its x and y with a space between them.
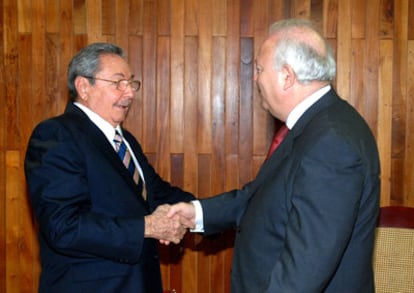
pixel 301 108
pixel 107 129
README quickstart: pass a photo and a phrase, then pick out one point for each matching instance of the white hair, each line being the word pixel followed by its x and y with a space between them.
pixel 305 60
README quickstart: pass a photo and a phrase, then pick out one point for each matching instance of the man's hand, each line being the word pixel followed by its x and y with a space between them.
pixel 166 229
pixel 186 211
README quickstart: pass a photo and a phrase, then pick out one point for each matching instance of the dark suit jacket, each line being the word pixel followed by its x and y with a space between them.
pixel 90 215
pixel 306 223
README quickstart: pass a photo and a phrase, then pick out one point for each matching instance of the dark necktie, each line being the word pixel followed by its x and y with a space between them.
pixel 277 139
pixel 126 158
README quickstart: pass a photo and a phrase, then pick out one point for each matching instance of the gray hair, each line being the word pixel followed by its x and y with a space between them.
pixel 87 63
pixel 306 61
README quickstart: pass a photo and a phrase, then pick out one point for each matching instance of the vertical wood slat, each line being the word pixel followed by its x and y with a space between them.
pixel 343 56
pixel 94 20
pixel 163 106
pixel 189 260
pixel 79 17
pixel 245 110
pixel 399 99
pixel 232 78
pixel 204 81
pixel 177 76
pixel 408 190
pixel 41 107
pixel 370 65
pixel 385 118
pixel 149 96
pixel 134 121
pixel 19 234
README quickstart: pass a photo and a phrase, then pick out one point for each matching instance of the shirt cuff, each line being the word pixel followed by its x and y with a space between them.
pixel 198 219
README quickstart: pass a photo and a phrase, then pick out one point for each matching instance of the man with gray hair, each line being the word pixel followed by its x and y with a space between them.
pixel 307 222
pixel 92 189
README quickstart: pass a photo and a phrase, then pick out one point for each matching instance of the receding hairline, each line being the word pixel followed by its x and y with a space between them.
pixel 300 29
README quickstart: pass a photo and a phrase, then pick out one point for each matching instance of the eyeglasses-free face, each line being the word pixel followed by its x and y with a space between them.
pixel 121 84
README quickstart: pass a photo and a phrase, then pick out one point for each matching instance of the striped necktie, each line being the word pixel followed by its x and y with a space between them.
pixel 126 158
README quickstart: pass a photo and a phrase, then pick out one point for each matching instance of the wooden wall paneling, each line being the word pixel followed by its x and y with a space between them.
pixel 410 26
pixel 94 20
pixel 136 15
pixel 204 81
pixel 79 16
pixel 386 19
pixel 65 48
pixel 191 17
pixel 231 127
pixel 19 234
pixel 197 115
pixel 370 66
pixel 301 8
pixel 109 16
pixel 217 274
pixel 219 13
pixel 218 114
pixel 204 267
pixel 24 16
pixel 278 10
pixel 134 121
pixel 409 139
pixel 385 118
pixel 149 77
pixel 357 75
pixel 163 107
pixel 359 23
pixel 24 114
pixel 52 16
pixel 246 109
pixel 51 97
pixel 41 108
pixel 343 55
pixel 177 76
pixel 246 18
pixel 11 59
pixel 399 99
pixel 316 13
pixel 164 17
pixel 2 173
pixel 175 277
pixel 189 261
pixel 2 160
pixel 330 18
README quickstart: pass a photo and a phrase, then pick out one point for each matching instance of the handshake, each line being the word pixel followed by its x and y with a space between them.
pixel 168 223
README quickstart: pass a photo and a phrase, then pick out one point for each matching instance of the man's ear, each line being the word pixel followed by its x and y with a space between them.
pixel 289 77
pixel 82 85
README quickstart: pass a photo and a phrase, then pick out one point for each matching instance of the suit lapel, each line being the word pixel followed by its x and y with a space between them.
pixel 78 119
pixel 285 148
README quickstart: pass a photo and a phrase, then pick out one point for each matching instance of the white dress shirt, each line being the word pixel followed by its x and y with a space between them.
pixel 109 132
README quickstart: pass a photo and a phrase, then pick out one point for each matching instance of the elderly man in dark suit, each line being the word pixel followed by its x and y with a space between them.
pixel 307 222
pixel 92 189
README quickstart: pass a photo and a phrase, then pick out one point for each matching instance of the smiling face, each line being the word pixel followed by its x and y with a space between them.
pixel 103 97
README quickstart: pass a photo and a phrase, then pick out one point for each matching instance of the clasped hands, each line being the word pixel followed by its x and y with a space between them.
pixel 168 223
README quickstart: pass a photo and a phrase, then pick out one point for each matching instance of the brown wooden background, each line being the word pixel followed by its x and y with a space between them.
pixel 197 115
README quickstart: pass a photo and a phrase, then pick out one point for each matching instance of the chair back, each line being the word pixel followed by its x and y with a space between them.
pixel 393 260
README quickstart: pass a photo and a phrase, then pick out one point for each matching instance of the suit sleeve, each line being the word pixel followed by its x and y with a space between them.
pixel 327 188
pixel 61 199
pixel 224 211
